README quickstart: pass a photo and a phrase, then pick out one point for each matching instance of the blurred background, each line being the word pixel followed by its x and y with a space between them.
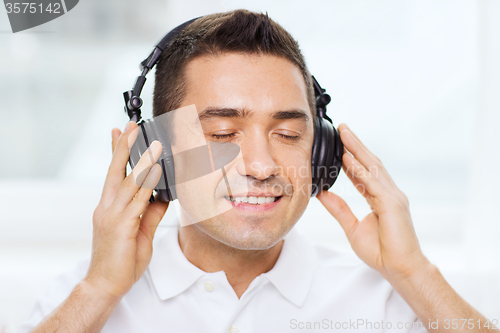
pixel 417 81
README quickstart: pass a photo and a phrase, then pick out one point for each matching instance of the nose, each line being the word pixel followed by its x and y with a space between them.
pixel 258 158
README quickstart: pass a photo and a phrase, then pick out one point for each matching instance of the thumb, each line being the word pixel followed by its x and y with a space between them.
pixel 339 209
pixel 152 217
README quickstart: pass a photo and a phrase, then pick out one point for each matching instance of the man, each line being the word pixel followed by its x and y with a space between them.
pixel 247 270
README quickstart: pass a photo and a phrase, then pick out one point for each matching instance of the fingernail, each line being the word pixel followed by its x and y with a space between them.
pixel 127 127
pixel 153 146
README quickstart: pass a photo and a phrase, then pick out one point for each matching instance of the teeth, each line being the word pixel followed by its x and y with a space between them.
pixel 253 200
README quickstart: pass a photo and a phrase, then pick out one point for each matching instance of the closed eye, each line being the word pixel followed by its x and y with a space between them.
pixel 223 136
pixel 231 135
pixel 289 137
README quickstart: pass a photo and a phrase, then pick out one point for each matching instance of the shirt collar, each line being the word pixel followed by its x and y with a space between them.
pixel 171 272
pixel 293 272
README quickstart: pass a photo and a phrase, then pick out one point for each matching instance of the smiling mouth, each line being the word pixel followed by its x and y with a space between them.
pixel 253 200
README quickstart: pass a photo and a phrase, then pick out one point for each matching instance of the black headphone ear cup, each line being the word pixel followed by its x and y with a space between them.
pixel 316 155
pixel 335 164
pixel 165 188
pixel 338 152
pixel 327 156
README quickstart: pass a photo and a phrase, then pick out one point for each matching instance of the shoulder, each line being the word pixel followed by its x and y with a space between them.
pixel 346 268
pixel 355 290
pixel 328 256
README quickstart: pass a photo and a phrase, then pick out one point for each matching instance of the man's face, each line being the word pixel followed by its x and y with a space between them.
pixel 258 102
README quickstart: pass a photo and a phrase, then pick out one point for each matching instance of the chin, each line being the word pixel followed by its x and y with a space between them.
pixel 255 233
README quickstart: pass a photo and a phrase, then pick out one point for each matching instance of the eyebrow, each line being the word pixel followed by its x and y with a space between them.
pixel 291 114
pixel 243 113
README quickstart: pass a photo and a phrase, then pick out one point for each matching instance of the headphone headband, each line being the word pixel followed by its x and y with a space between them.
pixel 133 100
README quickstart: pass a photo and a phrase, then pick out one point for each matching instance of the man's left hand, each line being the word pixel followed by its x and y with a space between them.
pixel 385 239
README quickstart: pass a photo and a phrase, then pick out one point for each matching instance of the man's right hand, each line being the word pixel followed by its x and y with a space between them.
pixel 124 221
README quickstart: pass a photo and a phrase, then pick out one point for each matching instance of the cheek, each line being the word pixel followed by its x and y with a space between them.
pixel 197 197
pixel 296 165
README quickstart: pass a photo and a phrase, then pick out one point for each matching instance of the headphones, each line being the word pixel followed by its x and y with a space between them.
pixel 327 151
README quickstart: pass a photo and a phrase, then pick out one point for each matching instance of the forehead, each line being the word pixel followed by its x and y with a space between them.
pixel 259 83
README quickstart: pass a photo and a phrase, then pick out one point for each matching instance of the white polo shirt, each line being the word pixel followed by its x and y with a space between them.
pixel 310 289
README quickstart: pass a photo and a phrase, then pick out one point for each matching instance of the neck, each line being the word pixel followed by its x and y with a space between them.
pixel 241 266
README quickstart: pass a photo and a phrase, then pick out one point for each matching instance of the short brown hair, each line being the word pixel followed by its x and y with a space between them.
pixel 235 31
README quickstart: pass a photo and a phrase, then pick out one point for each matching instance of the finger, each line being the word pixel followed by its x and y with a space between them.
pixel 363 154
pixel 344 126
pixel 118 166
pixel 151 218
pixel 358 149
pixel 356 182
pixel 131 184
pixel 371 162
pixel 140 200
pixel 371 183
pixel 115 135
pixel 339 209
